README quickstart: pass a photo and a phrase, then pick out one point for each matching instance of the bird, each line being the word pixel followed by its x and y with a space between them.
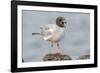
pixel 53 33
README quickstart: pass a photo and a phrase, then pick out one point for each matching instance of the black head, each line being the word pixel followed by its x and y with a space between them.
pixel 60 21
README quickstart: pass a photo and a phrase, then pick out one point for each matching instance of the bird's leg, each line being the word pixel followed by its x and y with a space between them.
pixel 52 44
pixel 58 47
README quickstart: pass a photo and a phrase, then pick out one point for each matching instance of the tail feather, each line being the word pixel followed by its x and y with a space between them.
pixel 35 33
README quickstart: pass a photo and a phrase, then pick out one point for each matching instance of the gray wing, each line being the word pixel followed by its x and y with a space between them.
pixel 46 31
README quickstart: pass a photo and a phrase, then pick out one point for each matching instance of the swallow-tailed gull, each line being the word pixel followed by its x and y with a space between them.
pixel 53 32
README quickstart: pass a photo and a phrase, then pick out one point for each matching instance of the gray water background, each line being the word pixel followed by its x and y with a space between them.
pixel 75 43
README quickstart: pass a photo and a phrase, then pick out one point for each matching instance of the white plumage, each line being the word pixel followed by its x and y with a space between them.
pixel 52 33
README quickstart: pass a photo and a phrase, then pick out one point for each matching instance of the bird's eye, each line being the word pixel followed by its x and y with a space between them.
pixel 62 22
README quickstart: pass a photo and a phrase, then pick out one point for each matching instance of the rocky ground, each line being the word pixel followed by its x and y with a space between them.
pixel 84 57
pixel 60 56
pixel 56 57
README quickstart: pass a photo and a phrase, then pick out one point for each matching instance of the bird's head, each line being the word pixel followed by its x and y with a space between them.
pixel 61 22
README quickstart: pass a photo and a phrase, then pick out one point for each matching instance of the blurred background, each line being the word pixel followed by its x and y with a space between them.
pixel 75 43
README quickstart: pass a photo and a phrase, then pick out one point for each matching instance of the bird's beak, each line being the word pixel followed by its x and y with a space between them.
pixel 65 22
